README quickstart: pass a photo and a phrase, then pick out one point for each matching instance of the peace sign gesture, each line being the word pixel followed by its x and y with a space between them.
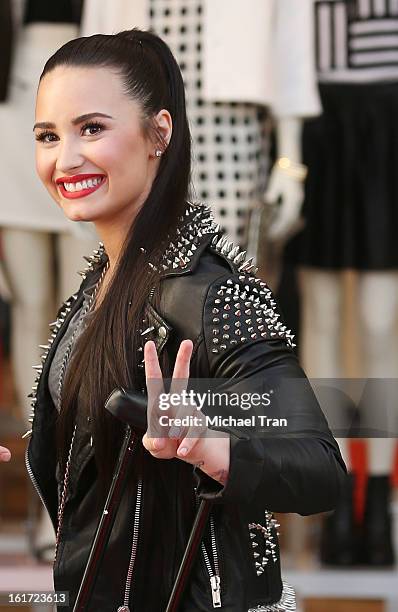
pixel 166 437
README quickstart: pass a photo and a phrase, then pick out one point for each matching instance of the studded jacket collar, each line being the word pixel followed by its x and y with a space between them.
pixel 241 342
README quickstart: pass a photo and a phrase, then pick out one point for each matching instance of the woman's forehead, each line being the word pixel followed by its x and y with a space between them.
pixel 78 88
pixel 104 79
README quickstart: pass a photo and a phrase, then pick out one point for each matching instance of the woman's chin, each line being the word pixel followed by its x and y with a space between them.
pixel 80 217
pixel 74 214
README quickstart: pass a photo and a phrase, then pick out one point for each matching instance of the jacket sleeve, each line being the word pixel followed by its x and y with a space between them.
pixel 293 467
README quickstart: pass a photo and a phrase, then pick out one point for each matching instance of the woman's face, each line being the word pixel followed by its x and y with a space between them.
pixel 91 152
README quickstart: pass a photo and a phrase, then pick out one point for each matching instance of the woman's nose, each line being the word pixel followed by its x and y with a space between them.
pixel 69 157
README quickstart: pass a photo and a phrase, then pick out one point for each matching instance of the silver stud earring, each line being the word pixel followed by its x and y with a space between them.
pixel 158 152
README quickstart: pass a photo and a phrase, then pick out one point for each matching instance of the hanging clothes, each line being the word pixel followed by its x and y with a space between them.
pixel 261 51
pixel 351 150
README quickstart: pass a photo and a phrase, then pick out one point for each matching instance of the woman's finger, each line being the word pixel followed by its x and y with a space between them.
pixel 161 448
pixel 180 378
pixel 185 449
pixel 197 432
pixel 185 417
pixel 181 366
pixel 5 454
pixel 154 383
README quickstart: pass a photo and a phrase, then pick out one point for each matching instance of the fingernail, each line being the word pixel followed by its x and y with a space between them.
pixel 159 443
pixel 183 451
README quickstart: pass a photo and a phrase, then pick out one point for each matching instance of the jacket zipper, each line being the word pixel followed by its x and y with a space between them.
pixel 136 525
pixel 215 580
pixel 34 481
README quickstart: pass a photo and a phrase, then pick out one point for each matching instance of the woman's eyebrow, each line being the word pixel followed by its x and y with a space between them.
pixel 47 125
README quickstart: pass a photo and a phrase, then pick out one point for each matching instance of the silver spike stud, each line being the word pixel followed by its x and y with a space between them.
pixel 246 265
pixel 240 258
pixel 228 246
pixel 148 330
pixel 235 251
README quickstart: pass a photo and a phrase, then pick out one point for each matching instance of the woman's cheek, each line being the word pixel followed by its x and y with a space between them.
pixel 45 173
pixel 39 166
pixel 44 169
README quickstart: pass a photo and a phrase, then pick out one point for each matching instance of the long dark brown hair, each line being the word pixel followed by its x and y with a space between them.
pixel 106 354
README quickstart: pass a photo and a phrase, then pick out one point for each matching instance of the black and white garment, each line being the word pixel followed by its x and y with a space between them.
pixel 230 142
pixel 351 205
pixel 357 40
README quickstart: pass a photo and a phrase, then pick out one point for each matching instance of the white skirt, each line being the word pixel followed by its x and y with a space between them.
pixel 25 203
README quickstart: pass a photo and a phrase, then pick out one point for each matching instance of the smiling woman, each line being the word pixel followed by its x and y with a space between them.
pixel 165 295
pixel 73 147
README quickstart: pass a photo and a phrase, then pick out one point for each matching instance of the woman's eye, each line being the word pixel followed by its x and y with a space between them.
pixel 46 137
pixel 92 129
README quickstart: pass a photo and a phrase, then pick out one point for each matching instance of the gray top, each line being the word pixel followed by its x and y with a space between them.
pixel 76 323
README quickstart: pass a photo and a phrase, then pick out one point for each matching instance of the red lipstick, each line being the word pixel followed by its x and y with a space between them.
pixel 79 178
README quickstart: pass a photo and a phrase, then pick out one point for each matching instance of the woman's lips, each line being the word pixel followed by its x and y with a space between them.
pixel 82 193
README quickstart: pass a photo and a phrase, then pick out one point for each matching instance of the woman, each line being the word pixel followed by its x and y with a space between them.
pixel 164 295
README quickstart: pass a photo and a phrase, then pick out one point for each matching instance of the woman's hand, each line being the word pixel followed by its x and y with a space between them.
pixel 195 443
pixel 5 454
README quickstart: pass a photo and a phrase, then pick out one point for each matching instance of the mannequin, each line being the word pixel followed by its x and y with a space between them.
pixel 229 117
pixel 282 182
pixel 377 276
pixel 38 244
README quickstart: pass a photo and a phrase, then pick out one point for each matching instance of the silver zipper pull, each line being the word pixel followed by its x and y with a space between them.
pixel 123 609
pixel 215 591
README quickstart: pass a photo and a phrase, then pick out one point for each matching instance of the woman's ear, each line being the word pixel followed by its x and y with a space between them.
pixel 163 127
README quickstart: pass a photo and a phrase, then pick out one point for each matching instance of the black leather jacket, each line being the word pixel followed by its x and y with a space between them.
pixel 210 295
